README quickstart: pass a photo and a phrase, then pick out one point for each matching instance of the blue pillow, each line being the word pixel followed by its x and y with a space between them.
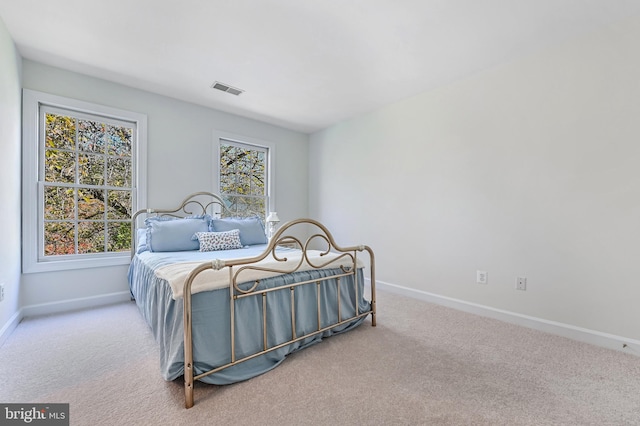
pixel 251 229
pixel 174 234
pixel 141 235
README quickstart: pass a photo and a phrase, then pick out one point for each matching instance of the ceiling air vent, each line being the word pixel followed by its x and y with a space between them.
pixel 227 88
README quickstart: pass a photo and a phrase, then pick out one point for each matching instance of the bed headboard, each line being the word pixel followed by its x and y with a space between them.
pixel 198 203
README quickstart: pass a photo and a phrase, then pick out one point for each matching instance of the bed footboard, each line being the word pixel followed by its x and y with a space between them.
pixel 349 266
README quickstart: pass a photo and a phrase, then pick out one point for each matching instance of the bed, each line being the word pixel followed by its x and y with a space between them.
pixel 227 304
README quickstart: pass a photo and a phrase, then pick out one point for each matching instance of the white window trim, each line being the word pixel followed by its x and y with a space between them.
pixel 219 135
pixel 31 102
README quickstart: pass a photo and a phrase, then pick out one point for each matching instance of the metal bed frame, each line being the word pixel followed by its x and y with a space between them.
pixel 322 238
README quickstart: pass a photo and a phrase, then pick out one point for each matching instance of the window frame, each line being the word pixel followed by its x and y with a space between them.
pixel 33 259
pixel 221 137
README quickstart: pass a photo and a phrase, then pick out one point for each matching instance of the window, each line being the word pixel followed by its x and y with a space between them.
pixel 82 182
pixel 244 177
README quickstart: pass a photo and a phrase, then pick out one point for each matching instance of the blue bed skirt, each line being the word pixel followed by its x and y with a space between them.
pixel 211 322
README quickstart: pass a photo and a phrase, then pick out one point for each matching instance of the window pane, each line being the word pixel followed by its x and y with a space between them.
pixel 90 237
pixel 227 154
pixel 227 168
pixel 257 184
pixel 119 236
pixel 91 169
pixel 59 238
pixel 104 158
pixel 119 205
pixel 259 174
pixel 91 204
pixel 59 166
pixel 236 205
pixel 60 132
pixel 119 172
pixel 59 203
pixel 91 136
pixel 119 141
pixel 226 182
pixel 245 206
pixel 257 206
pixel 243 182
pixel 243 174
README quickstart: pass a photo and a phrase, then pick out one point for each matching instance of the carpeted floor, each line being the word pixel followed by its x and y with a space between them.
pixel 422 365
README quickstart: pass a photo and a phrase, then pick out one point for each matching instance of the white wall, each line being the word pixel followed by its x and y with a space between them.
pixel 531 169
pixel 10 110
pixel 180 161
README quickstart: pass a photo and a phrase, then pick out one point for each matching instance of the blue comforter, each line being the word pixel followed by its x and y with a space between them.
pixel 211 322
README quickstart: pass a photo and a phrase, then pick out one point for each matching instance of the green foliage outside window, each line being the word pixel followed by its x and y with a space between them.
pixel 243 174
pixel 87 186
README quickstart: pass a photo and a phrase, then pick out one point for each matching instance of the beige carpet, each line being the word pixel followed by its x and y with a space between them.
pixel 422 364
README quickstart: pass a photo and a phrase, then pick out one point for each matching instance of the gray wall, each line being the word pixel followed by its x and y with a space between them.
pixel 180 161
pixel 10 174
pixel 529 169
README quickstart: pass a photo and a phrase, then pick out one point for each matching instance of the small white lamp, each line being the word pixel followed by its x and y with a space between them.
pixel 272 220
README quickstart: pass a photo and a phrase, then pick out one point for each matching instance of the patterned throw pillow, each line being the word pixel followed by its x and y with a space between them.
pixel 212 241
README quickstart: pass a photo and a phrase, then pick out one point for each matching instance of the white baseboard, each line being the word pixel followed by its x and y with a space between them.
pixel 61 306
pixel 610 341
pixel 75 304
pixel 11 325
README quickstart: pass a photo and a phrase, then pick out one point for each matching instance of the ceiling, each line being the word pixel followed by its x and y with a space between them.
pixel 303 64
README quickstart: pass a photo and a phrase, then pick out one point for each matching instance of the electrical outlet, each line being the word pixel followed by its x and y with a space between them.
pixel 1 292
pixel 482 277
pixel 521 283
